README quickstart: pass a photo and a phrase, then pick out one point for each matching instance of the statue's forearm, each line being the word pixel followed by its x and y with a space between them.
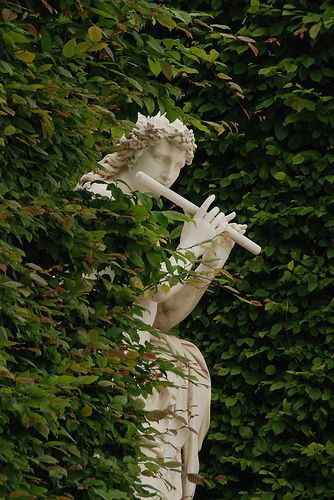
pixel 184 299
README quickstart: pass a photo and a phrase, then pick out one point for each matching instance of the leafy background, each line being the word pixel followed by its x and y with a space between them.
pixel 255 82
pixel 271 359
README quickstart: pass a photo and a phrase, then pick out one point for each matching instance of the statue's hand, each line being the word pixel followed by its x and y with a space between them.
pixel 218 252
pixel 199 234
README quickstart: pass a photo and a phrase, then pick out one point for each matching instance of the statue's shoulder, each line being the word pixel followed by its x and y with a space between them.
pixel 98 188
pixel 94 183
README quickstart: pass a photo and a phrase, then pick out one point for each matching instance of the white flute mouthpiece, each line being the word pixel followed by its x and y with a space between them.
pixel 154 186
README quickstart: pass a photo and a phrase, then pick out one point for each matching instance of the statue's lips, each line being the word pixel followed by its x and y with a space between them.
pixel 167 184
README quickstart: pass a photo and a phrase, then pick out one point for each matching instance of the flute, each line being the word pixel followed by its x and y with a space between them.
pixel 156 187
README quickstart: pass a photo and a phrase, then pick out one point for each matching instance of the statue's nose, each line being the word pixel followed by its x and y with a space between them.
pixel 166 175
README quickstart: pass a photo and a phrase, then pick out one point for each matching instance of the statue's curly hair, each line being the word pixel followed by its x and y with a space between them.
pixel 147 132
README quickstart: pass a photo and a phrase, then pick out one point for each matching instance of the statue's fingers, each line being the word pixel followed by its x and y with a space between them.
pixel 219 219
pixel 212 214
pixel 204 207
pixel 240 228
pixel 230 216
pixel 236 225
pixel 223 218
pixel 222 227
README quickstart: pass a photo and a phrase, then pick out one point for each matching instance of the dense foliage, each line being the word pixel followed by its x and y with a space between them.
pixel 271 358
pixel 70 411
pixel 73 76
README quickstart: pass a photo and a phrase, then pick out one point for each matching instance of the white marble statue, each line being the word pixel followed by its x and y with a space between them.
pixel 161 149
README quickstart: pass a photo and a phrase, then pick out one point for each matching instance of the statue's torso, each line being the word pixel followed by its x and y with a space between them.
pixel 149 306
pixel 190 401
pixel 149 310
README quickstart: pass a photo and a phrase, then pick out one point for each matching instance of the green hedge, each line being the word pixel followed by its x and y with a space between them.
pixel 270 346
pixel 72 78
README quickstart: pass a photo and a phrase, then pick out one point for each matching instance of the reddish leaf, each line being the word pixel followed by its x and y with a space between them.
pixel 44 320
pixel 8 15
pixel 49 7
pixel 25 380
pixel 221 479
pixel 149 355
pixel 236 87
pixel 228 35
pixel 246 39
pixel 195 478
pixel 300 32
pixel 253 49
pixel 273 40
pixel 31 28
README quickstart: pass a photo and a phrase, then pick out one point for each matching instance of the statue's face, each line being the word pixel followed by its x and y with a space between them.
pixel 162 161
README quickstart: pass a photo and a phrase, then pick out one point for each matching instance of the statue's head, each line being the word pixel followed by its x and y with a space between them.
pixel 147 133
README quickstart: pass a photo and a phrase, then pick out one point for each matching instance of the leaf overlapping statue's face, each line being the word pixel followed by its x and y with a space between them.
pixel 162 161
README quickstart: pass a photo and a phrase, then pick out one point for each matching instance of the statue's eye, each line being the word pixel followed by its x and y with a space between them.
pixel 159 157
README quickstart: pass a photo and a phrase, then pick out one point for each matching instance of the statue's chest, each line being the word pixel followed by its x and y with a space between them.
pixel 149 310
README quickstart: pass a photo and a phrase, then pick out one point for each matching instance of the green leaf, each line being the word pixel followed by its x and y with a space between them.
pixel 270 370
pixel 223 76
pixel 97 46
pixel 314 393
pixel 86 379
pixel 280 176
pixel 86 411
pixel 316 76
pixel 25 56
pixel 38 279
pixel 298 159
pixel 6 68
pixel 153 44
pixel 82 47
pixel 278 427
pixel 69 48
pixel 281 132
pixel 173 216
pixel 44 68
pixel 9 130
pixel 254 6
pixel 103 13
pixel 150 105
pixel 245 432
pixel 166 69
pixel 154 66
pixel 66 379
pixel 19 38
pixel 57 471
pixel 94 33
pixel 46 40
pixel 165 20
pixel 330 448
pixel 314 30
pixel 106 383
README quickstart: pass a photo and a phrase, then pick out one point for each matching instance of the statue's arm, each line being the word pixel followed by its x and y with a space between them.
pixel 181 299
